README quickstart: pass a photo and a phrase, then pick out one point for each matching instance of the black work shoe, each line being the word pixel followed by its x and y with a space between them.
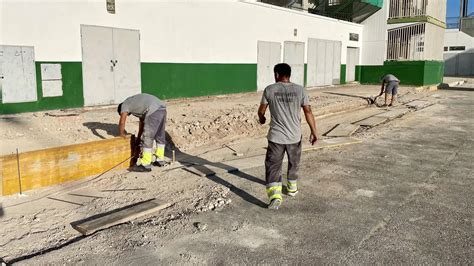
pixel 139 168
pixel 160 163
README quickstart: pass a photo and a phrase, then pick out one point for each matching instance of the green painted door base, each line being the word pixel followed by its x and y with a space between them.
pixel 342 77
pixel 416 73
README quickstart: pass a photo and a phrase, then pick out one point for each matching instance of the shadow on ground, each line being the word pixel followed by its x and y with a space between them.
pixel 110 129
pixel 201 164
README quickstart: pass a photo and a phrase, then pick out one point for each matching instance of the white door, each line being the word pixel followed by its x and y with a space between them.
pixel 18 74
pixel 352 60
pixel 110 64
pixel 294 56
pixel 268 55
pixel 324 62
pixel 126 44
pixel 97 68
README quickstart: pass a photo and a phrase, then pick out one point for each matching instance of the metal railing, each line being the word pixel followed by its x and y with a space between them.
pixel 406 43
pixel 414 8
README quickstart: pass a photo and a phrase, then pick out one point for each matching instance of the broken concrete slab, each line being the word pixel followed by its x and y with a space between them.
pixel 372 121
pixel 343 130
pixel 392 114
pixel 418 104
pixel 118 216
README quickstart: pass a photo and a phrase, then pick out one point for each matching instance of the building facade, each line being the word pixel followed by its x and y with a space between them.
pixel 67 54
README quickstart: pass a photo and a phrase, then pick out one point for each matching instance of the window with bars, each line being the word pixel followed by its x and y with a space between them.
pixel 406 43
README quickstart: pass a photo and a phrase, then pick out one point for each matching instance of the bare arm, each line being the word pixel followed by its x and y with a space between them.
pixel 381 89
pixel 140 129
pixel 123 119
pixel 308 114
pixel 261 113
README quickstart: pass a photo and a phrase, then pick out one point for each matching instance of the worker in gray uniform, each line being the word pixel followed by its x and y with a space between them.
pixel 285 101
pixel 152 114
pixel 390 85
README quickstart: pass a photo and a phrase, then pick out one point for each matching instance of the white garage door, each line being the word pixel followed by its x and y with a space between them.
pixel 17 74
pixel 294 56
pixel 268 55
pixel 324 62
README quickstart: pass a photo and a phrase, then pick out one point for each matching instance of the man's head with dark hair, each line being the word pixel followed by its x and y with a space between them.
pixel 119 109
pixel 282 72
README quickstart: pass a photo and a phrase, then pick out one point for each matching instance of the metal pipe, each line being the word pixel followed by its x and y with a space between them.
pixel 18 167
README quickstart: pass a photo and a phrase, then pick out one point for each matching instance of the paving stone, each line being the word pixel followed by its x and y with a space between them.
pixel 393 113
pixel 372 121
pixel 343 130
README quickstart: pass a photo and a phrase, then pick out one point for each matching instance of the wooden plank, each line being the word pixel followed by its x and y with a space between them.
pixel 62 164
pixel 394 113
pixel 343 130
pixel 118 216
pixel 372 121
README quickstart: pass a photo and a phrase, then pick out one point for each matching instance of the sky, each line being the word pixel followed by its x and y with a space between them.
pixel 453 8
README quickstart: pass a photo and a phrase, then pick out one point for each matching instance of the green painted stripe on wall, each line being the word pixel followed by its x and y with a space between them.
pixel 176 80
pixel 417 73
pixel 72 91
pixel 342 77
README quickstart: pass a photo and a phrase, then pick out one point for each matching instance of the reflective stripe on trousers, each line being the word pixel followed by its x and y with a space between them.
pixel 274 191
pixel 291 186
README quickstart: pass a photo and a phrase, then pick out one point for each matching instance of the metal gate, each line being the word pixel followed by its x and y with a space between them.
pixel 324 62
pixel 268 55
pixel 352 60
pixel 17 74
pixel 294 56
pixel 110 64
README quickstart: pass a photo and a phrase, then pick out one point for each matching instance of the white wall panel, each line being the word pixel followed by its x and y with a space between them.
pixel 171 31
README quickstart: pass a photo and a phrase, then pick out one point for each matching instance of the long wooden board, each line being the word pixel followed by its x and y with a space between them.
pixel 343 130
pixel 118 216
pixel 61 164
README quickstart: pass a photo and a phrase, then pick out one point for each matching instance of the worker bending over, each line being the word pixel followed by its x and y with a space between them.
pixel 285 100
pixel 390 84
pixel 152 114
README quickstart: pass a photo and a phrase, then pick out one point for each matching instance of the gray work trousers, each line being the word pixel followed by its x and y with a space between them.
pixel 154 129
pixel 274 160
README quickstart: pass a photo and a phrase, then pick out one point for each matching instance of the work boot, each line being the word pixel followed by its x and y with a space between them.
pixel 291 188
pixel 144 162
pixel 139 168
pixel 160 163
pixel 274 204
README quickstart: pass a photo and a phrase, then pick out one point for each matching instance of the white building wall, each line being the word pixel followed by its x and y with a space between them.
pixel 171 31
pixel 454 37
pixel 434 40
pixel 374 41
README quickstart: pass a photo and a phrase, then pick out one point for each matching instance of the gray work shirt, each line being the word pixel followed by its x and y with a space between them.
pixel 389 77
pixel 285 101
pixel 142 105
